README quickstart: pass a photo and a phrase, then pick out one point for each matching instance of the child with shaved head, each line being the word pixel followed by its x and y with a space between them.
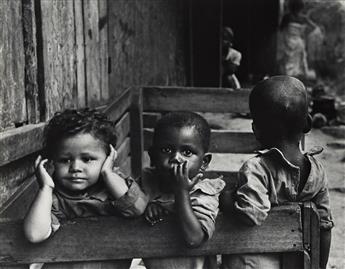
pixel 280 173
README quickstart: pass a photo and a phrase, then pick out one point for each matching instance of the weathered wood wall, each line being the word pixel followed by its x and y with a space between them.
pixel 12 101
pixel 147 43
pixel 55 54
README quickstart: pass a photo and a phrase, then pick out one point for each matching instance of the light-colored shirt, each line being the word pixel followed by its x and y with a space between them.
pixel 269 180
pixel 233 56
pixel 204 198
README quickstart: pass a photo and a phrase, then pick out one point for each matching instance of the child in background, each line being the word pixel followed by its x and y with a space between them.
pixel 231 60
pixel 280 173
pixel 175 183
pixel 80 144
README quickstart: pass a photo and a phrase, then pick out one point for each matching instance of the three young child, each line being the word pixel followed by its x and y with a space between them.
pixel 80 143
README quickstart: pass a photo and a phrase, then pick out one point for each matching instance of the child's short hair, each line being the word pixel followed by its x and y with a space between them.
pixel 75 121
pixel 184 119
pixel 279 107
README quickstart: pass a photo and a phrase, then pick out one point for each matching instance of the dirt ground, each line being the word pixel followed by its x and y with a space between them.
pixel 332 158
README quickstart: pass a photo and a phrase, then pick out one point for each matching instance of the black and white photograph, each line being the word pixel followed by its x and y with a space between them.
pixel 172 134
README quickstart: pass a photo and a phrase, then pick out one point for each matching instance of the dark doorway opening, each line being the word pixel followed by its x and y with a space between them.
pixel 255 25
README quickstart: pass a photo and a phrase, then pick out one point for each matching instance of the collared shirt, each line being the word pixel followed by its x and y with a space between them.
pixel 204 198
pixel 98 202
pixel 271 180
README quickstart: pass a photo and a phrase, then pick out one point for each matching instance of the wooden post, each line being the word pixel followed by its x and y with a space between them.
pixel 137 140
pixel 311 236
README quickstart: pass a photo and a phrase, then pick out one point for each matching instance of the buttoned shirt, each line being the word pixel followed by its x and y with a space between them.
pixel 271 180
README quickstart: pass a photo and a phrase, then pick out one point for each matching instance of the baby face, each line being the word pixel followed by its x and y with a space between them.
pixel 78 162
pixel 176 146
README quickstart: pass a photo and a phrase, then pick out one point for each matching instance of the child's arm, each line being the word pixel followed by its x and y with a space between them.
pixel 37 222
pixel 325 245
pixel 321 200
pixel 129 198
pixel 192 230
pixel 252 202
pixel 115 184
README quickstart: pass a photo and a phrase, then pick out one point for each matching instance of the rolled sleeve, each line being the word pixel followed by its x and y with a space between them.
pixel 205 204
pixel 321 201
pixel 133 202
pixel 252 197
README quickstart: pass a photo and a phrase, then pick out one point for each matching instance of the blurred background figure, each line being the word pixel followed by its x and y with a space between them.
pixel 231 60
pixel 292 53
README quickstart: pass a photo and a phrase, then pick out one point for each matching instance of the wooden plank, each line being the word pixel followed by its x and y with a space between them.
pixel 58 45
pixel 20 266
pixel 102 240
pixel 222 141
pixel 123 152
pixel 122 42
pixel 103 47
pixel 150 119
pixel 292 260
pixel 125 167
pixel 136 57
pixel 92 52
pixel 89 265
pixel 80 52
pixel 195 99
pixel 225 141
pixel 137 142
pixel 30 48
pixel 12 176
pixel 119 106
pixel 12 91
pixel 311 221
pixel 19 142
pixel 122 128
pixel 16 207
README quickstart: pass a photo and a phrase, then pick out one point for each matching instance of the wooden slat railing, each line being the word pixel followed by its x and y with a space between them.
pixel 104 238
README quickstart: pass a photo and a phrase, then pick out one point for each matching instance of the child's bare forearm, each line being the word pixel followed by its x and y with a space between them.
pixel 37 222
pixel 190 225
pixel 325 244
pixel 115 184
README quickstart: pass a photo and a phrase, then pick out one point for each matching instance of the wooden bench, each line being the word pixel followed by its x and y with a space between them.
pixel 291 230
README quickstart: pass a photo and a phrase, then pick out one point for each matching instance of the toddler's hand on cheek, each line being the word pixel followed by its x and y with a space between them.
pixel 43 177
pixel 109 162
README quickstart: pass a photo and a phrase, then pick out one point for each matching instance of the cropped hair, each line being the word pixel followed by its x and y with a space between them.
pixel 279 107
pixel 182 119
pixel 71 122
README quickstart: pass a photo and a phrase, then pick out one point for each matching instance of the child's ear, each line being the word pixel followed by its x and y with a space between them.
pixel 308 124
pixel 206 160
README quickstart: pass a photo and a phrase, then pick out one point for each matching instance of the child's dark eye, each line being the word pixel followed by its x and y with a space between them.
pixel 187 153
pixel 87 159
pixel 166 150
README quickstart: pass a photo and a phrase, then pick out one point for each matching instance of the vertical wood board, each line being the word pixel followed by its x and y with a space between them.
pixel 80 52
pixel 12 92
pixel 30 49
pixel 58 45
pixel 92 52
pixel 103 49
